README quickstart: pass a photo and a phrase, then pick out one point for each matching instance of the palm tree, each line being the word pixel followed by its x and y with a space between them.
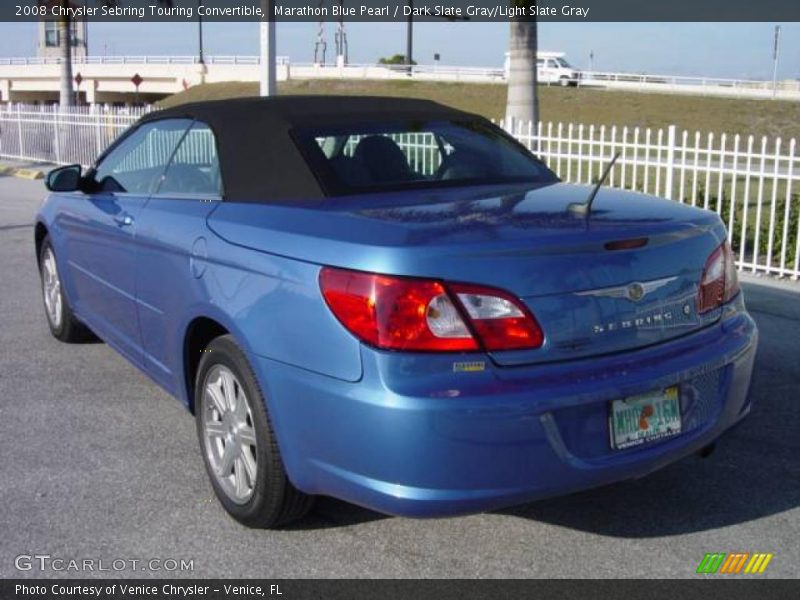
pixel 522 103
pixel 67 96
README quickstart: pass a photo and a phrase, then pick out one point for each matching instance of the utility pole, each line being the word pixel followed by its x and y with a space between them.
pixel 200 58
pixel 410 37
pixel 340 38
pixel 320 46
pixel 267 66
pixel 775 61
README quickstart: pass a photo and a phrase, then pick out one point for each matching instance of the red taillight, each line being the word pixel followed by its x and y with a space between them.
pixel 394 312
pixel 731 276
pixel 400 313
pixel 500 321
pixel 719 282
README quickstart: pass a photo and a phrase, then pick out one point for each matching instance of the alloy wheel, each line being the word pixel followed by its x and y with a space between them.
pixel 51 288
pixel 229 435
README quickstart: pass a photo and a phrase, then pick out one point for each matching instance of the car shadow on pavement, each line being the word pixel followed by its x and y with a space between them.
pixel 330 513
pixel 685 498
pixel 88 338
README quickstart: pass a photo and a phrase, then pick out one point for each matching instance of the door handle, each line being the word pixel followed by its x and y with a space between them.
pixel 123 220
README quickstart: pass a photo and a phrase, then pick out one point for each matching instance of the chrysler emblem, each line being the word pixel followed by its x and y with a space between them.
pixel 633 291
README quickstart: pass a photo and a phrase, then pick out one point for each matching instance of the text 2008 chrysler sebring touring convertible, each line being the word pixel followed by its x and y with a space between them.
pixel 394 303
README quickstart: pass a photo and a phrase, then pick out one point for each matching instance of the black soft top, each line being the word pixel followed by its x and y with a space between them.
pixel 258 157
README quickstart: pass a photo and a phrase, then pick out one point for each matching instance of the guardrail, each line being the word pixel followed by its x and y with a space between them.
pixel 690 81
pixel 752 183
pixel 143 60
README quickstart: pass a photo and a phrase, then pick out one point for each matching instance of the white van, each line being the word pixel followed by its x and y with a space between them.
pixel 552 69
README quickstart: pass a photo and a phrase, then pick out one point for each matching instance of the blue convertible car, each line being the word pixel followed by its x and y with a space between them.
pixel 394 303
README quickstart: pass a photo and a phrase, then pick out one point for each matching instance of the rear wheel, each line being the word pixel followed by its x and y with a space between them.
pixel 239 447
pixel 64 325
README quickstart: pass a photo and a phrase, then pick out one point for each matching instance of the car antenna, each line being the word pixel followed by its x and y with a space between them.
pixel 585 208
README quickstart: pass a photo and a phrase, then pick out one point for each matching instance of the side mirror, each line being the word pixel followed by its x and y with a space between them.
pixel 64 179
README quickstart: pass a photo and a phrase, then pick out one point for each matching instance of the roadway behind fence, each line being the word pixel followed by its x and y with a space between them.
pixel 752 183
pixel 164 74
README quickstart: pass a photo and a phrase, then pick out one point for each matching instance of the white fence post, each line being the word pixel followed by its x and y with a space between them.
pixel 97 135
pixel 785 237
pixel 670 164
pixel 56 137
pixel 19 131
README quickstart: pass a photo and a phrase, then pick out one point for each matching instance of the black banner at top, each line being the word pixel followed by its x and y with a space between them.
pixel 402 10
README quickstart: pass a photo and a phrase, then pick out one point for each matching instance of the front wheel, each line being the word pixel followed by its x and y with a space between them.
pixel 565 82
pixel 239 447
pixel 64 325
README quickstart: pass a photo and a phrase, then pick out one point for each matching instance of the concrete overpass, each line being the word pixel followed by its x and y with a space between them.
pixel 108 79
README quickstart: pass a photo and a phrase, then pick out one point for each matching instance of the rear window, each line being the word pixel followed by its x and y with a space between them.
pixel 372 157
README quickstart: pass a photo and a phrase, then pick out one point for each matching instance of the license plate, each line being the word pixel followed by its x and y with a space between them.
pixel 646 418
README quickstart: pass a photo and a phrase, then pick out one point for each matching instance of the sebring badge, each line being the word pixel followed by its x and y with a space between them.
pixel 652 320
pixel 633 291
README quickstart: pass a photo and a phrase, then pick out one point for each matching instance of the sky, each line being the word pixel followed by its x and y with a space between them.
pixel 737 50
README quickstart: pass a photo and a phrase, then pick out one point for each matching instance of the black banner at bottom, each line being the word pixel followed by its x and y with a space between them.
pixel 705 587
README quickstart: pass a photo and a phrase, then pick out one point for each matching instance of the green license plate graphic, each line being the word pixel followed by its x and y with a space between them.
pixel 646 418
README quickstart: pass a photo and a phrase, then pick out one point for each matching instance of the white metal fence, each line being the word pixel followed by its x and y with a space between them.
pixel 752 183
pixel 73 136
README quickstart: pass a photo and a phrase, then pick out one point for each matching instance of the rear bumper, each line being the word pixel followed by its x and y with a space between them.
pixel 415 438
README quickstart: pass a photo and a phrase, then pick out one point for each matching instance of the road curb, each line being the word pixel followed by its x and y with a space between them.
pixel 28 173
pixel 22 173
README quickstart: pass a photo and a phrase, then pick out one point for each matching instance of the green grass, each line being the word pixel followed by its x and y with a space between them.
pixel 571 105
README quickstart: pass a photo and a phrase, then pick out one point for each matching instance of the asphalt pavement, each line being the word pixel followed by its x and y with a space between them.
pixel 96 462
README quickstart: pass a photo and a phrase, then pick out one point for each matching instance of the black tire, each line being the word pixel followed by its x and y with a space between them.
pixel 274 501
pixel 67 328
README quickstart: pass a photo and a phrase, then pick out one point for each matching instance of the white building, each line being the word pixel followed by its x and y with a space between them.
pixel 48 45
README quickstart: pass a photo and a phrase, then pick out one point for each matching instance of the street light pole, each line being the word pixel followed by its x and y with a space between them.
pixel 269 81
pixel 200 58
pixel 775 61
pixel 410 37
